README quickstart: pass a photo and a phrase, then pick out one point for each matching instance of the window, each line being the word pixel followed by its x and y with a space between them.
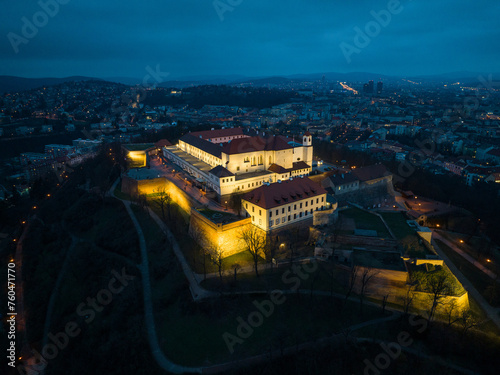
pixel 270 213
pixel 306 203
pixel 238 168
pixel 260 221
pixel 305 213
pixel 300 214
pixel 253 218
pixel 301 205
pixel 289 217
pixel 312 202
pixel 270 223
pixel 277 221
pixel 294 206
pixel 294 216
pixel 284 220
pixel 246 205
pixel 311 211
pixel 277 212
pixel 289 208
pixel 253 209
pixel 317 200
pixel 260 212
pixel 283 210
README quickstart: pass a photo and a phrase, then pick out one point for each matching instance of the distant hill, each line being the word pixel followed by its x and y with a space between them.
pixel 463 77
pixel 12 83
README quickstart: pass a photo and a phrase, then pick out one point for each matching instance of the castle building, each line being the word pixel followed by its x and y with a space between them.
pixel 274 206
pixel 232 161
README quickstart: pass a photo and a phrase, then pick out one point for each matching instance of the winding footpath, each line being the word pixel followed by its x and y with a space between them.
pixel 199 293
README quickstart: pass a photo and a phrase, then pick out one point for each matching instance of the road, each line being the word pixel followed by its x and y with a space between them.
pixel 455 248
pixel 493 313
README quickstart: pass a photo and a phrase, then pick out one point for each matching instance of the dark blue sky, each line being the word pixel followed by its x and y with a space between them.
pixel 106 38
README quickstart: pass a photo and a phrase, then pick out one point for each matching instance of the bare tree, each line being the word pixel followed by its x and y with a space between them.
pixel 236 267
pixel 216 252
pixel 366 277
pixel 438 287
pixel 408 298
pixel 452 313
pixel 163 200
pixel 255 242
pixel 353 276
pixel 467 321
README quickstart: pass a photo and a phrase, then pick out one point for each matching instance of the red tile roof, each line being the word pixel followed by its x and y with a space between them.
pixel 286 192
pixel 218 133
pixel 162 143
pixel 277 169
pixel 251 144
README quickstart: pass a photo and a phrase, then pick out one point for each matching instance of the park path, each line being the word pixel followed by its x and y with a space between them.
pixel 158 355
pixel 470 259
pixel 492 312
pixel 200 293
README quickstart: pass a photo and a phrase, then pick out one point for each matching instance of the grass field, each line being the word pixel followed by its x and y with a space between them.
pixel 398 225
pixel 365 220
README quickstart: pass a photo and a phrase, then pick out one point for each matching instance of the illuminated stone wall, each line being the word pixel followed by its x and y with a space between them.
pixel 209 234
pixel 134 187
pixel 393 285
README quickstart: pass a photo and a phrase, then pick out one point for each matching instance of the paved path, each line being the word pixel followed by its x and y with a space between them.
pixel 455 248
pixel 197 291
pixel 493 313
pixel 158 355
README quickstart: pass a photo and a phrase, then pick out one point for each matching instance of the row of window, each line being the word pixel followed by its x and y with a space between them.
pixel 283 220
pixel 289 207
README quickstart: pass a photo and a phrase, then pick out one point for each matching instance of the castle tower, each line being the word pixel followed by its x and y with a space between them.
pixel 308 148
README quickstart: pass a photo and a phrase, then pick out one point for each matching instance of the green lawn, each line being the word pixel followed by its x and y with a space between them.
pixel 194 336
pixel 327 278
pixel 398 225
pixel 480 280
pixel 365 220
